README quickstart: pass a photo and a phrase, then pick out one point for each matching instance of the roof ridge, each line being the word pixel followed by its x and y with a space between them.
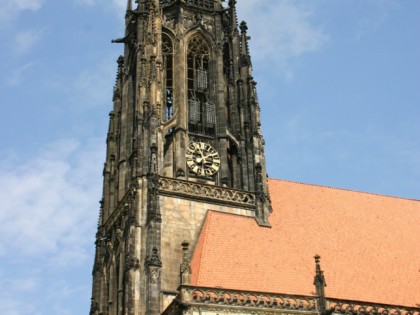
pixel 343 189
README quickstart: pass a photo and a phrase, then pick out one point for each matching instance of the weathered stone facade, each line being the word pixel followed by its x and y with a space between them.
pixel 184 138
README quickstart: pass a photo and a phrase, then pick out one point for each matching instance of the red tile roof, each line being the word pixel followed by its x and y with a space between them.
pixel 369 244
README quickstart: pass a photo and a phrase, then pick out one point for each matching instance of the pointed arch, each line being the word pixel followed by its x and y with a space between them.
pixel 168 80
pixel 201 109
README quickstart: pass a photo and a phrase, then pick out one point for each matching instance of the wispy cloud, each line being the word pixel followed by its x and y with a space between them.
pixel 46 197
pixel 285 31
pixel 49 205
pixel 25 40
pixel 380 10
pixel 16 76
pixel 10 9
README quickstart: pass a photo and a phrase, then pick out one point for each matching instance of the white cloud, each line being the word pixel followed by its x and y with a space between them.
pixel 25 40
pixel 285 31
pixel 10 9
pixel 49 202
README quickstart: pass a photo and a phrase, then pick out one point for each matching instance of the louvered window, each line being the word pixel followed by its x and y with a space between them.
pixel 202 112
pixel 200 79
pixel 210 113
pixel 194 111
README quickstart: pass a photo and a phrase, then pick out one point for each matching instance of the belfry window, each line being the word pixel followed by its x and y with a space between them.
pixel 201 111
pixel 168 64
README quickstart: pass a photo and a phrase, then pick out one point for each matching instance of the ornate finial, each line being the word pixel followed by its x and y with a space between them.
pixel 243 27
pixel 120 61
pixel 245 58
pixel 320 284
pixel 129 6
pixel 319 277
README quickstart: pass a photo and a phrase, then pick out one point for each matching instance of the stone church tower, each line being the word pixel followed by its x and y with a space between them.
pixel 184 138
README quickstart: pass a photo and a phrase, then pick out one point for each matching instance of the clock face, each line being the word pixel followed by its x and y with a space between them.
pixel 202 159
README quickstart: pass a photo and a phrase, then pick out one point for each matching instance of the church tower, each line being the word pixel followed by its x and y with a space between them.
pixel 184 137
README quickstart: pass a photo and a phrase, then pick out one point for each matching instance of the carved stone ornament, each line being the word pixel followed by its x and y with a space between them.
pixel 202 191
pixel 131 262
pixel 169 19
pixel 222 297
pixel 354 308
pixel 154 259
pixel 154 274
pixel 118 233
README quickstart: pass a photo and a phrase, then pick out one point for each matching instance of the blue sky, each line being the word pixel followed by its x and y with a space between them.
pixel 339 87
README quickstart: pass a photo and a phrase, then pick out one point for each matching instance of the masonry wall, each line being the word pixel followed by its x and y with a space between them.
pixel 182 220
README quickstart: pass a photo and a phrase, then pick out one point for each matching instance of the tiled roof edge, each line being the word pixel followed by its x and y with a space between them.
pixel 204 229
pixel 342 189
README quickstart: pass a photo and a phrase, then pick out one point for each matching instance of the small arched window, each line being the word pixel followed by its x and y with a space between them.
pixel 202 112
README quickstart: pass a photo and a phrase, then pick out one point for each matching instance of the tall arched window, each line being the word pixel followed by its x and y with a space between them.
pixel 202 112
pixel 168 65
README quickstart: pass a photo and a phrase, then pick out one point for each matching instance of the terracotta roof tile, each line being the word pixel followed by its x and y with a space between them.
pixel 369 246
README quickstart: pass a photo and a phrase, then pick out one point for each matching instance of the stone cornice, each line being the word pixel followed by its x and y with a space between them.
pixel 336 306
pixel 234 301
pixel 210 193
pixel 223 298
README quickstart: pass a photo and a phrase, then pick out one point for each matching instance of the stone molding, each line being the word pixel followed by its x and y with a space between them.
pixel 193 190
pixel 363 308
pixel 234 301
pixel 212 297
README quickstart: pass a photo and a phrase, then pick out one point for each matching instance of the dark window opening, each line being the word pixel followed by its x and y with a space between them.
pixel 169 76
